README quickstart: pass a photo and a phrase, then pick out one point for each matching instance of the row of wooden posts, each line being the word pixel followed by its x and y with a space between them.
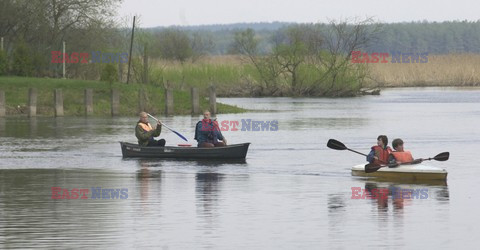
pixel 115 101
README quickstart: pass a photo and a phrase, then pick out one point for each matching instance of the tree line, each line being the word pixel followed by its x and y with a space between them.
pixel 288 58
pixel 423 36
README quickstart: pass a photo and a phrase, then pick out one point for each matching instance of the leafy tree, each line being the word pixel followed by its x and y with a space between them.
pixel 3 63
pixel 174 44
pixel 22 60
pixel 109 73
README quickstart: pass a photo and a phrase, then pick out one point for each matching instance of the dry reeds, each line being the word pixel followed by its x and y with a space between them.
pixel 440 70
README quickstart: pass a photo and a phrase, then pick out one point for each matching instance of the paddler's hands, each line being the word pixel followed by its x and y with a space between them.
pixel 417 161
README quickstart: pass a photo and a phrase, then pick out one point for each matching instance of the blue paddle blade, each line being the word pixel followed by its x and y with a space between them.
pixel 181 136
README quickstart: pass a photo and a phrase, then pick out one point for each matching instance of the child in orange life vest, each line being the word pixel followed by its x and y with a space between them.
pixel 380 153
pixel 400 155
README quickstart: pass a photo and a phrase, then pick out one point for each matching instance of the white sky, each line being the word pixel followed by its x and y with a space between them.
pixel 196 12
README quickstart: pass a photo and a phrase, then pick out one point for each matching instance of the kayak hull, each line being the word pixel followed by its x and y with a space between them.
pixel 404 172
pixel 235 151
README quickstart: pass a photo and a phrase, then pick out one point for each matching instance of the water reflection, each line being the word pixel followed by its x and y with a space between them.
pixel 220 162
pixel 29 215
pixel 2 126
pixel 399 196
pixel 33 126
pixel 145 175
pixel 207 189
pixel 442 194
pixel 58 127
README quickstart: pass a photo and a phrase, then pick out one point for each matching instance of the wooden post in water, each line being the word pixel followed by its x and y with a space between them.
pixel 88 101
pixel 141 100
pixel 115 102
pixel 168 101
pixel 32 102
pixel 213 100
pixel 58 102
pixel 2 103
pixel 195 101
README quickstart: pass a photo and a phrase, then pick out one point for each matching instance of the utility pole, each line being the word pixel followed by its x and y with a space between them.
pixel 130 55
pixel 63 59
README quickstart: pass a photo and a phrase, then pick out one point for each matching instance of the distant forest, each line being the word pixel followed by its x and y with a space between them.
pixel 420 37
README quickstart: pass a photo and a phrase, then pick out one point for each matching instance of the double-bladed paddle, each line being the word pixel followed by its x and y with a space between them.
pixel 370 168
pixel 181 136
pixel 334 144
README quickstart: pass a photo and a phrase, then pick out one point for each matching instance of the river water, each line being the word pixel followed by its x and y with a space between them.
pixel 292 192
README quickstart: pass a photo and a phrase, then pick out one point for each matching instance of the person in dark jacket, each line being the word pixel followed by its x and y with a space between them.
pixel 208 134
pixel 145 132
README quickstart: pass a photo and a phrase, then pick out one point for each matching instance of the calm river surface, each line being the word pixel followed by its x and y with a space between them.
pixel 293 192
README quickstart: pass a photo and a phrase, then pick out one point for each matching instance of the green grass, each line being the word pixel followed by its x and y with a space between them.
pixel 16 95
pixel 202 75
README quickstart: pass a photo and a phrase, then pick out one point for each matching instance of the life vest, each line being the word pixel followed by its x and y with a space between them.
pixel 147 127
pixel 403 157
pixel 382 155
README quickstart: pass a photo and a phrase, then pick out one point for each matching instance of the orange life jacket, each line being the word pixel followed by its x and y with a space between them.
pixel 403 157
pixel 147 127
pixel 382 154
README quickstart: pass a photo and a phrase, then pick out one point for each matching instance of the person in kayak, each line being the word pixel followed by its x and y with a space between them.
pixel 381 152
pixel 208 134
pixel 145 133
pixel 400 155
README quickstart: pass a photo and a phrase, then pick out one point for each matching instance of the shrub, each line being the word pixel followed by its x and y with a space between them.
pixel 3 63
pixel 22 60
pixel 109 73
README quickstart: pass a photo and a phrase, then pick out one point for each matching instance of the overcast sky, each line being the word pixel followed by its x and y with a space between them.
pixel 196 12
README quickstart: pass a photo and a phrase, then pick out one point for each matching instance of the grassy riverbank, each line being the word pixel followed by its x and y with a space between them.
pixel 16 95
pixel 235 76
pixel 231 75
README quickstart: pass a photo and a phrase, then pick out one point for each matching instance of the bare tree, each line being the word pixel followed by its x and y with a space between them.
pixel 341 38
pixel 246 44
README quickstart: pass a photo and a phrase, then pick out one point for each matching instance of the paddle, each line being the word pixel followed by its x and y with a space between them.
pixel 334 144
pixel 370 168
pixel 181 136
